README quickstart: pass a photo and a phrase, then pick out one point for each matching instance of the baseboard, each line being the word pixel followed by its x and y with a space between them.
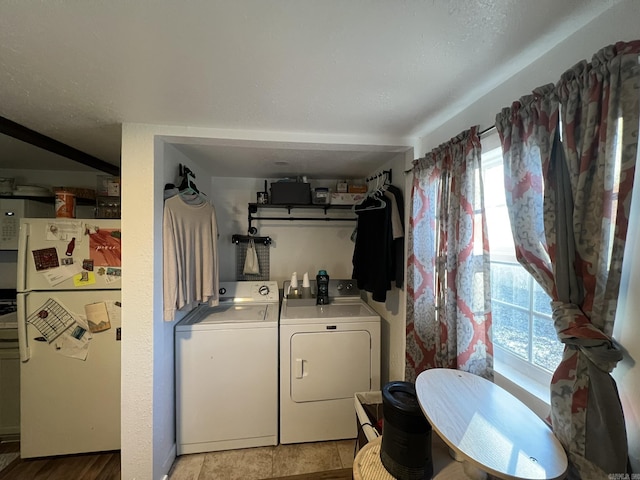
pixel 168 462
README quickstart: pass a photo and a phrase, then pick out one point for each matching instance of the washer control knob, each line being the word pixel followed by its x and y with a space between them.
pixel 263 290
pixel 222 291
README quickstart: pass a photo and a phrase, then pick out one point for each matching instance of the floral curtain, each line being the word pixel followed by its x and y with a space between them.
pixel 448 290
pixel 583 195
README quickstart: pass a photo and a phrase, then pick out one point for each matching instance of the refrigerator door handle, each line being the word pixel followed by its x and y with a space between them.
pixel 22 257
pixel 23 342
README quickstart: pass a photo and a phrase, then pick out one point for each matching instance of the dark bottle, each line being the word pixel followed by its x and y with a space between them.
pixel 70 247
pixel 322 280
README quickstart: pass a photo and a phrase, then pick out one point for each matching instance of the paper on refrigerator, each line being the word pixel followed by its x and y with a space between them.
pixel 74 342
pixel 97 317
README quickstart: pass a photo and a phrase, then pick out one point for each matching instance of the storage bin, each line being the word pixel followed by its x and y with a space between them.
pixel 108 207
pixel 290 193
pixel 369 416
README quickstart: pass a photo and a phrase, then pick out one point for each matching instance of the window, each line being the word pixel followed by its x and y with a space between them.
pixel 523 333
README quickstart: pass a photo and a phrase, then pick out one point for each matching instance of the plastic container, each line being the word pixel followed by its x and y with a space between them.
pixel 321 196
pixel 65 205
pixel 108 207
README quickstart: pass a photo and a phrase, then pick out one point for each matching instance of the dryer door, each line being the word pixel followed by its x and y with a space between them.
pixel 330 365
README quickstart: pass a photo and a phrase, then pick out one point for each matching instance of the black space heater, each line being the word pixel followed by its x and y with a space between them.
pixel 406 435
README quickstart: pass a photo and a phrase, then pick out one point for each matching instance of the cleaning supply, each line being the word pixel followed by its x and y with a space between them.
pixel 322 281
pixel 306 286
pixel 294 292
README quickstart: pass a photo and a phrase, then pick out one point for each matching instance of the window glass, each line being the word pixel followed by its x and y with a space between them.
pixel 511 329
pixel 521 310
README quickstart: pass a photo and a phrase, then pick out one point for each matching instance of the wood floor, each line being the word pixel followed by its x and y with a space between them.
pixel 102 466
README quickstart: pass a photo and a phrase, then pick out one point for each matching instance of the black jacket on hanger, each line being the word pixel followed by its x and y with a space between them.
pixel 372 256
pixel 397 255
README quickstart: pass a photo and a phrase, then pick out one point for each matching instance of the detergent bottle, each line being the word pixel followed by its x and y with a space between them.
pixel 322 281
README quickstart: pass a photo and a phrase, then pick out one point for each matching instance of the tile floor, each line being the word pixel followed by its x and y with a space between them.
pixel 264 462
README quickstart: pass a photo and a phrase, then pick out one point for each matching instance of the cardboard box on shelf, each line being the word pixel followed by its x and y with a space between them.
pixel 357 188
pixel 108 186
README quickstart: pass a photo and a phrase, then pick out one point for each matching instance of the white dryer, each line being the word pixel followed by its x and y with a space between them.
pixel 226 361
pixel 327 354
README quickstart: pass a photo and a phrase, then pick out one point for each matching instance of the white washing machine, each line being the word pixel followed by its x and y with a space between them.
pixel 226 360
pixel 327 354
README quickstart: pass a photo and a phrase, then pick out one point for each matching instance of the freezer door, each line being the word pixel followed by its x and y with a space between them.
pixel 69 405
pixel 68 254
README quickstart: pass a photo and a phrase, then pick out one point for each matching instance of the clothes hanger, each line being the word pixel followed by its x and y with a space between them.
pixel 372 193
pixel 188 189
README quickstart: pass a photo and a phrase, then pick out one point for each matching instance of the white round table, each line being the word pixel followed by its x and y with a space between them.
pixel 488 427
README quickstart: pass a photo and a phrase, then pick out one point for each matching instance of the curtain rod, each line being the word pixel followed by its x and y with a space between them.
pixel 483 132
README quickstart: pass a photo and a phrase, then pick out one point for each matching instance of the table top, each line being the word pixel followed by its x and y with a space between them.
pixel 488 427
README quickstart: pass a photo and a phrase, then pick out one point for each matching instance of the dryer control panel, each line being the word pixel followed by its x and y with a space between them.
pixel 343 288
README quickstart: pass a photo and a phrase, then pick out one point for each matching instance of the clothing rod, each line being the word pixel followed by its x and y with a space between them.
pixel 483 132
pixel 388 173
pixel 327 219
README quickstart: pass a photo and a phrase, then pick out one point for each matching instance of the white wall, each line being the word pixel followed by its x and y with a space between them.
pixel 141 301
pixel 300 246
pixel 620 23
pixel 393 311
pixel 627 328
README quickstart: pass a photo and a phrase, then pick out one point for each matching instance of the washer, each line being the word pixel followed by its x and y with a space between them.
pixel 227 371
pixel 327 354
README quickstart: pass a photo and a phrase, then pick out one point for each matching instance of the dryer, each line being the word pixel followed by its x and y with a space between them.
pixel 226 361
pixel 327 354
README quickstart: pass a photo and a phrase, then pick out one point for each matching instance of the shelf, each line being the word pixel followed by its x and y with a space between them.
pixel 253 209
pixel 314 206
pixel 51 199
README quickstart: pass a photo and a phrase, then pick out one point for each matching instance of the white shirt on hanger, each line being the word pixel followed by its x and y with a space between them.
pixel 190 253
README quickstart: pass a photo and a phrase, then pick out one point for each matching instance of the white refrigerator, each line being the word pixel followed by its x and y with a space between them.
pixel 69 330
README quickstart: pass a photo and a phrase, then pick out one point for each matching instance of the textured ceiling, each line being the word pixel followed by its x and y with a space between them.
pixel 76 71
